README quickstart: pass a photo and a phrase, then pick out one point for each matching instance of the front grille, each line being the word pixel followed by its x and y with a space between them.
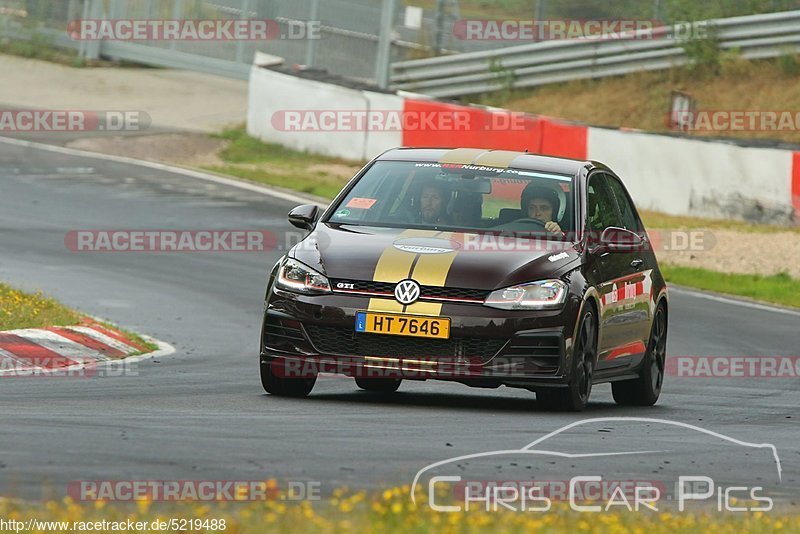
pixel 426 292
pixel 339 340
pixel 282 334
pixel 540 353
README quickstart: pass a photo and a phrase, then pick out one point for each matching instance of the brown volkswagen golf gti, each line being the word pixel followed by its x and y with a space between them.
pixel 483 267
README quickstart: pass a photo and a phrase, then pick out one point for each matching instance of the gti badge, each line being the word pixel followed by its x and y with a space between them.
pixel 406 292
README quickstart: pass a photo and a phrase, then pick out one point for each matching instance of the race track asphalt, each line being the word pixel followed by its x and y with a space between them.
pixel 201 413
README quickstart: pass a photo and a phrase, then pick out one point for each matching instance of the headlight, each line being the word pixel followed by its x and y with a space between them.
pixel 542 295
pixel 297 277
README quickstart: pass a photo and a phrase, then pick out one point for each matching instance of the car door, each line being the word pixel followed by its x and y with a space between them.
pixel 637 309
pixel 615 277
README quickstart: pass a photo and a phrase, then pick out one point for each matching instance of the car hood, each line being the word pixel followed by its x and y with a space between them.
pixel 464 260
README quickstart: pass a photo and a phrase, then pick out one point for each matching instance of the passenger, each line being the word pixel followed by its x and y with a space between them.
pixel 541 203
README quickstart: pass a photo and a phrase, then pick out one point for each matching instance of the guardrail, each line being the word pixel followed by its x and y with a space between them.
pixel 529 65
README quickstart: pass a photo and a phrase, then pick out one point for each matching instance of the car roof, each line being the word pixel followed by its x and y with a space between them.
pixel 490 158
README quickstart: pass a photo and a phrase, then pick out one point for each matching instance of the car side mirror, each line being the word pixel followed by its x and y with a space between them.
pixel 304 216
pixel 614 239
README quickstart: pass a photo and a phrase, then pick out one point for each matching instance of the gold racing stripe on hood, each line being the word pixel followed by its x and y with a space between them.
pixel 431 270
pixel 464 156
pixel 476 156
pixel 497 158
pixel 393 266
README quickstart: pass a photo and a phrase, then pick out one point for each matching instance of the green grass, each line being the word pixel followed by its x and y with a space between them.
pixel 776 289
pixel 19 309
pixel 246 149
pixel 250 159
pixel 40 47
pixel 392 511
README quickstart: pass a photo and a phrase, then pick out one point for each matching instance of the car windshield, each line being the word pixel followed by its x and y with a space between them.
pixel 460 197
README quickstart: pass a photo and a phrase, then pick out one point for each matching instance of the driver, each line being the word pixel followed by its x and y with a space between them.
pixel 433 201
pixel 541 203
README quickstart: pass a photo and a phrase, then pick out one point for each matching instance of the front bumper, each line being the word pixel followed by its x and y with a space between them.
pixel 487 347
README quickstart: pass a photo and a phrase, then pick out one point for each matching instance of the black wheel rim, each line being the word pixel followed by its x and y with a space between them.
pixel 658 350
pixel 585 353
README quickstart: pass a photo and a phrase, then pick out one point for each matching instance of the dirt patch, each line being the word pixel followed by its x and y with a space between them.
pixel 190 149
pixel 174 99
pixel 742 252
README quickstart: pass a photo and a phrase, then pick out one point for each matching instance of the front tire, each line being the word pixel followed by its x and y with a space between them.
pixel 645 390
pixel 284 386
pixel 575 396
pixel 379 385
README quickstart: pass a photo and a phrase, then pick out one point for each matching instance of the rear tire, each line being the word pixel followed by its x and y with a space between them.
pixel 379 385
pixel 645 390
pixel 284 386
pixel 575 396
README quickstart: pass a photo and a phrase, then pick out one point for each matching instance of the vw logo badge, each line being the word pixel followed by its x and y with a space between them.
pixel 406 292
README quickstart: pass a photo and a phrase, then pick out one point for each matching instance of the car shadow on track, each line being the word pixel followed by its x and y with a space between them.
pixel 467 402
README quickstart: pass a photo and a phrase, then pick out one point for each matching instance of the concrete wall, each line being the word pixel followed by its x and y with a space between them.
pixel 684 176
pixel 273 95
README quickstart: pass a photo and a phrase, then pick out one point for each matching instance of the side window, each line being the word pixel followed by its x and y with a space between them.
pixel 601 209
pixel 629 219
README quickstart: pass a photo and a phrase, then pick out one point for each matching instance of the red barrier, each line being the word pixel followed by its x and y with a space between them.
pixel 500 130
pixel 564 140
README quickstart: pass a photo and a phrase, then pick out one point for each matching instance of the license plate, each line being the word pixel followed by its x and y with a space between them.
pixel 403 325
